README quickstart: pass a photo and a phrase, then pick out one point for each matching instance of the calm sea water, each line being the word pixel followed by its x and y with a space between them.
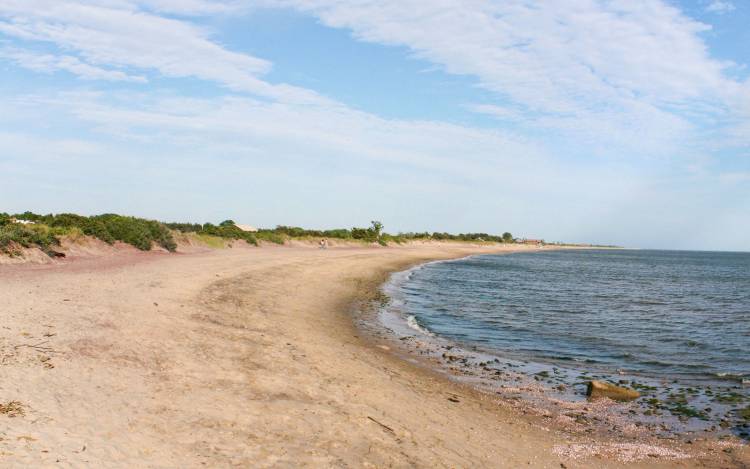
pixel 675 314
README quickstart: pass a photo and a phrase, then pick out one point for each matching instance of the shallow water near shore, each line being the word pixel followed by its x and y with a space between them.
pixel 674 325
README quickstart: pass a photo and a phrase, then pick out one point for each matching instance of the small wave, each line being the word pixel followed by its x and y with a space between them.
pixel 412 322
pixel 733 377
pixel 649 302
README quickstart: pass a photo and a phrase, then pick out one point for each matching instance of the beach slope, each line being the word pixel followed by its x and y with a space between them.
pixel 244 357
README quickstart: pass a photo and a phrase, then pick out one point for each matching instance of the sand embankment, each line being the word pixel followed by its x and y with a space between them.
pixel 242 357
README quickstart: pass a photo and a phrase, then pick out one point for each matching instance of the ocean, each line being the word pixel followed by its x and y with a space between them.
pixel 675 324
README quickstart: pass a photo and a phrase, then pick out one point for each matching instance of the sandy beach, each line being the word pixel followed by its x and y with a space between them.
pixel 248 357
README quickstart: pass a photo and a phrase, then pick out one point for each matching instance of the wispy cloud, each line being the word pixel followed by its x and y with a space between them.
pixel 114 34
pixel 48 63
pixel 608 72
pixel 571 63
pixel 189 7
pixel 720 6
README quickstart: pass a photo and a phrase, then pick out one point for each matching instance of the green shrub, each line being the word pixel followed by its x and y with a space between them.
pixel 371 234
pixel 185 227
pixel 270 236
pixel 138 232
pixel 230 232
pixel 15 234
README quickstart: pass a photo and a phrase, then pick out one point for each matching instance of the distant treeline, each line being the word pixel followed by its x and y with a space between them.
pixel 44 231
pixel 374 233
pixel 504 238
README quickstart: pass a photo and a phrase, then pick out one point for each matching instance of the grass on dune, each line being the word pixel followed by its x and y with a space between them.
pixel 212 241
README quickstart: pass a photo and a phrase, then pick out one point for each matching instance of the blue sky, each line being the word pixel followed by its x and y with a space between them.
pixel 623 122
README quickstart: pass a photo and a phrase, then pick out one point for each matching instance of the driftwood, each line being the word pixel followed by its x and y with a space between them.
pixel 38 347
pixel 385 427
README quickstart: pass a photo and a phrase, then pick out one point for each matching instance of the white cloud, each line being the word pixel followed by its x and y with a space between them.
pixel 636 74
pixel 720 6
pixel 501 112
pixel 552 56
pixel 189 7
pixel 113 33
pixel 342 133
pixel 637 65
pixel 48 63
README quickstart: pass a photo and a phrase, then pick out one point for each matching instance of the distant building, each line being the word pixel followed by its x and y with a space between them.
pixel 249 228
pixel 21 222
pixel 535 242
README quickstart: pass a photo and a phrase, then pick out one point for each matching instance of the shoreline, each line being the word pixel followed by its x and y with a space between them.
pixel 545 387
pixel 252 357
pixel 425 357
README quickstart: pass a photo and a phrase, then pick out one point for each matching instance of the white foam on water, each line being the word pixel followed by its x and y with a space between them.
pixel 412 322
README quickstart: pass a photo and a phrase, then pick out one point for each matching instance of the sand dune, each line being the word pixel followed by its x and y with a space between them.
pixel 246 357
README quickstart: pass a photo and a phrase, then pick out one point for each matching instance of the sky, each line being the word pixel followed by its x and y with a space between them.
pixel 606 121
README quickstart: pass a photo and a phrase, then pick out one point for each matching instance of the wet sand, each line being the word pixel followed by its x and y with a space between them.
pixel 248 357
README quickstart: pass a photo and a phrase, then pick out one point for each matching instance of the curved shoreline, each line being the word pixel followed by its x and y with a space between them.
pixel 549 385
pixel 455 366
pixel 250 357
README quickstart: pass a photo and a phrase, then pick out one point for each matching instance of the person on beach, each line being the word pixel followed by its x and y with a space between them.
pixel 323 243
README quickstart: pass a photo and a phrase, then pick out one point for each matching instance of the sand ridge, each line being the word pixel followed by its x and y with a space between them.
pixel 243 357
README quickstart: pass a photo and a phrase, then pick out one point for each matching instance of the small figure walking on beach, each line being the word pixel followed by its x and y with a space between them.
pixel 323 243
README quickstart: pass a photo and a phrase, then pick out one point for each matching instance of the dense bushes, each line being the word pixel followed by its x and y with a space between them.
pixel 471 237
pixel 373 234
pixel 297 232
pixel 13 235
pixel 109 228
pixel 229 231
pixel 226 229
pixel 137 232
pixel 185 227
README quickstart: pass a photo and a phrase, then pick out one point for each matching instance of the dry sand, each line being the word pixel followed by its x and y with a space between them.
pixel 248 357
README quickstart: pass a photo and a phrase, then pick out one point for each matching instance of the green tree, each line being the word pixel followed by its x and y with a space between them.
pixel 371 234
pixel 376 228
pixel 507 237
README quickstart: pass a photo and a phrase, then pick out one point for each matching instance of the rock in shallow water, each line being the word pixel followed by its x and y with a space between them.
pixel 602 389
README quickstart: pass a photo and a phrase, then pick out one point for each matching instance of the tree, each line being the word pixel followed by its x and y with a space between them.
pixel 227 223
pixel 371 234
pixel 376 229
pixel 507 237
